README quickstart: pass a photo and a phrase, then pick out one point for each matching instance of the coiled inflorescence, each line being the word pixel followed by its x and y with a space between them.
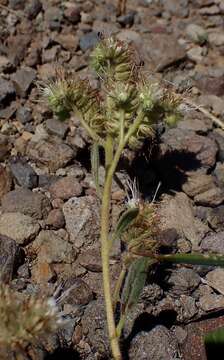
pixel 127 96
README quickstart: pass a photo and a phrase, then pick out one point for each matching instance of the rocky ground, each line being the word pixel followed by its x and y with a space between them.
pixel 49 219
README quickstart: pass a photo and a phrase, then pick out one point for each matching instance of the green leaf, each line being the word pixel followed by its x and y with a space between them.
pixel 215 337
pixel 126 218
pixel 135 282
pixel 95 163
pixel 194 259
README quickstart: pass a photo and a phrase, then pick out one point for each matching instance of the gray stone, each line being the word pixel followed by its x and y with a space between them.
pixel 26 202
pixel 209 10
pixel 82 220
pixel 10 258
pixel 54 155
pixel 50 55
pixel 53 248
pixel 215 278
pixel 53 16
pixel 23 79
pixel 89 41
pixel 211 85
pixel 176 7
pixel 195 54
pixel 78 292
pixel 213 101
pixel 211 197
pixel 198 125
pixel 196 33
pixel 65 188
pixel 24 174
pixel 91 260
pixel 163 51
pixel 213 243
pixel 158 343
pixel 56 127
pixel 183 281
pixel 216 39
pixel 215 218
pixel 94 323
pixel 24 115
pixel 209 302
pixel 7 90
pixel 197 183
pixel 187 308
pixel 19 227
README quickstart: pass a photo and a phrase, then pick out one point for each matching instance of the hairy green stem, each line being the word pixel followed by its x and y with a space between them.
pixel 193 259
pixel 105 244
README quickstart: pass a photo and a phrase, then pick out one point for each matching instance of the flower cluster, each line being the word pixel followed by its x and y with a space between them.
pixel 141 234
pixel 130 105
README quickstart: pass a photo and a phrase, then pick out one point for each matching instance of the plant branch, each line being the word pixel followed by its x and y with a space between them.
pixel 193 259
pixel 90 131
pixel 105 244
pixel 133 127
pixel 118 286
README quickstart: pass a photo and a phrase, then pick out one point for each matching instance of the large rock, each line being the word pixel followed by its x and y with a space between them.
pixel 26 202
pixel 23 79
pixel 203 150
pixel 176 212
pixel 213 243
pixel 157 344
pixel 82 220
pixel 24 174
pixel 94 323
pixel 22 228
pixel 183 281
pixel 65 188
pixel 162 50
pixel 53 250
pixel 11 257
pixel 54 155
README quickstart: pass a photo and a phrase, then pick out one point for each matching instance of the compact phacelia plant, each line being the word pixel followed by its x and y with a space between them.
pixel 25 319
pixel 121 114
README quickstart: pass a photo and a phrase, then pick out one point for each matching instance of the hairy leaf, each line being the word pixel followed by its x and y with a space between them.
pixel 95 163
pixel 135 282
pixel 126 218
pixel 194 259
pixel 215 337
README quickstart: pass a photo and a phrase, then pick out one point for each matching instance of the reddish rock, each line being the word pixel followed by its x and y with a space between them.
pixel 55 219
pixel 65 188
